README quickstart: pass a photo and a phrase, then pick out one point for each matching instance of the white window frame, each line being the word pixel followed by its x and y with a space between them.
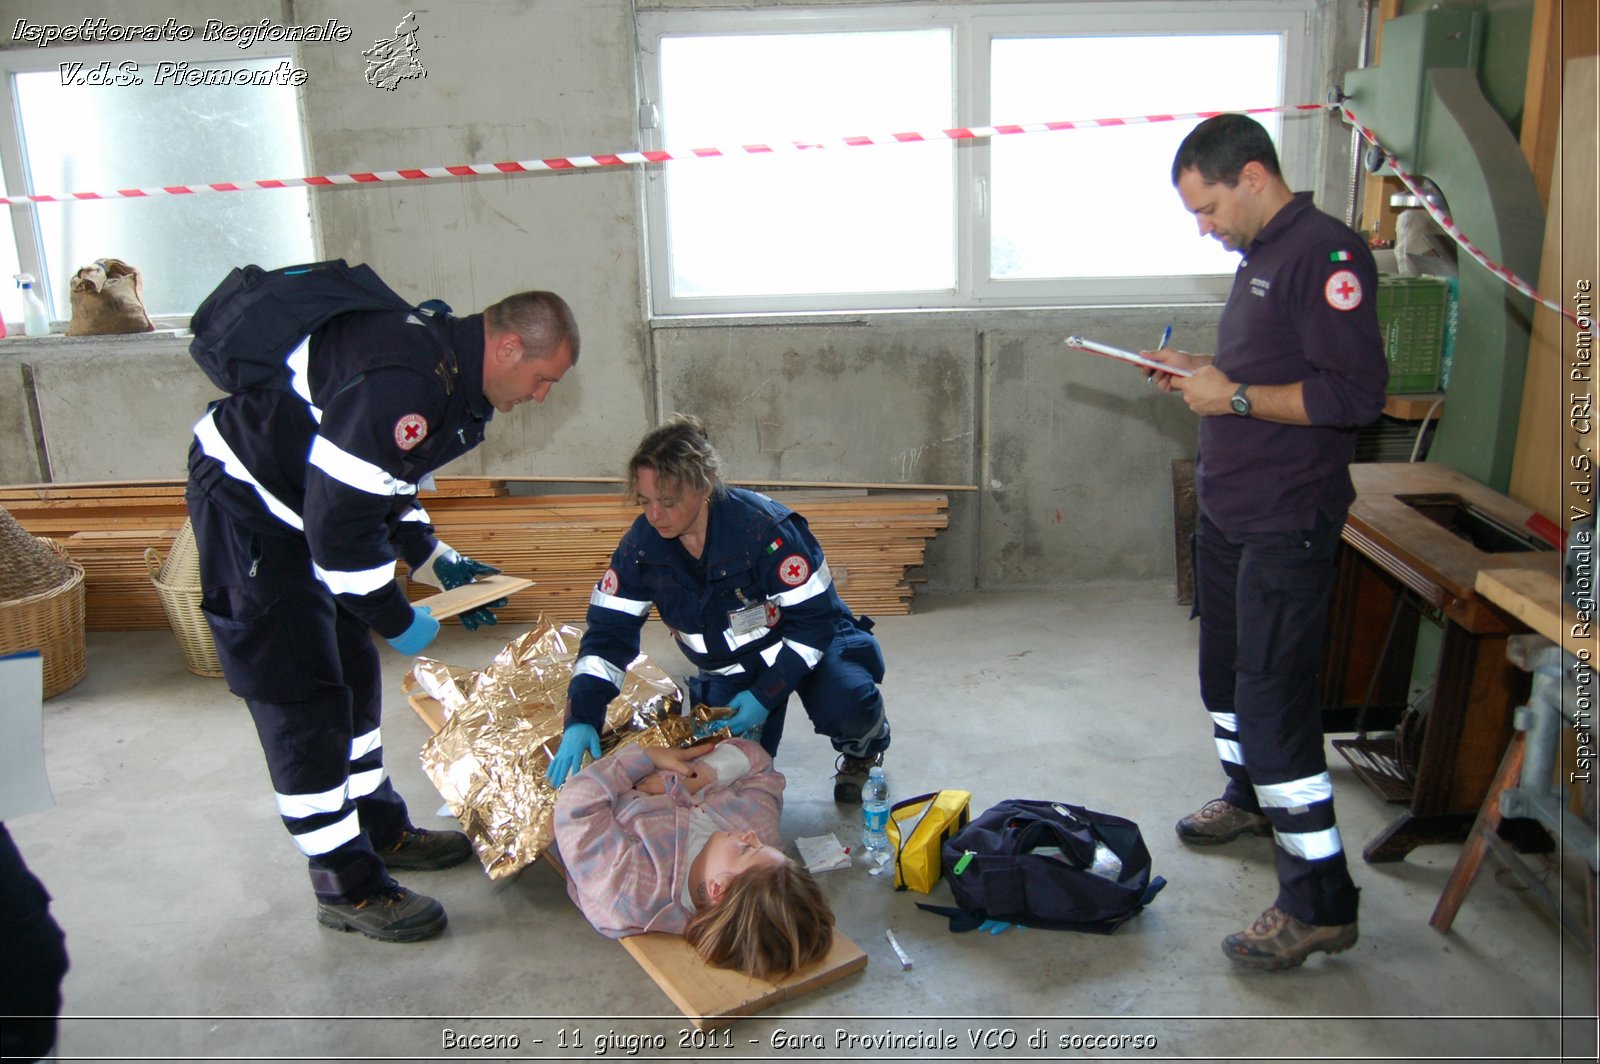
pixel 974 27
pixel 13 155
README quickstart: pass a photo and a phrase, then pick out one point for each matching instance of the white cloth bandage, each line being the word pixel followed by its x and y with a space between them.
pixel 727 762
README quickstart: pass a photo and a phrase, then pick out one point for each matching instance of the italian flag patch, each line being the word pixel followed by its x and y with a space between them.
pixel 774 545
pixel 1339 256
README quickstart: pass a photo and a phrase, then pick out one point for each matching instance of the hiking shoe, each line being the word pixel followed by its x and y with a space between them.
pixel 427 851
pixel 394 914
pixel 1277 940
pixel 1218 821
pixel 850 775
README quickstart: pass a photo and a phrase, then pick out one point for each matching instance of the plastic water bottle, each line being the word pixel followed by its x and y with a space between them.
pixel 875 811
pixel 35 319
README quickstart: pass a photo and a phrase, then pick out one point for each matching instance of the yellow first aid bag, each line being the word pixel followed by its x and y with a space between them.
pixel 917 828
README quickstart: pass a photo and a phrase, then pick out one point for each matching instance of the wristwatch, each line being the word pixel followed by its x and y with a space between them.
pixel 1240 402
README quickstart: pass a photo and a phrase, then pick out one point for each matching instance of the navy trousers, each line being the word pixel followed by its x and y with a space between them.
pixel 840 695
pixel 1263 603
pixel 310 675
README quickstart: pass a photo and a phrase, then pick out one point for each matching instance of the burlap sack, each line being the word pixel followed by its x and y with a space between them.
pixel 107 298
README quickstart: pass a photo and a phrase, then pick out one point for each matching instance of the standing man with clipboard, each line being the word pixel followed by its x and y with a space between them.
pixel 1299 366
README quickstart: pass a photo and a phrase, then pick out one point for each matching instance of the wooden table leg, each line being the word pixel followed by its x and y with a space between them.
pixel 1488 821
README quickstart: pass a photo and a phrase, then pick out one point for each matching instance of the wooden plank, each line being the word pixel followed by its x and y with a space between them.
pixel 480 592
pixel 1377 217
pixel 430 710
pixel 873 539
pixel 709 997
pixel 870 485
pixel 447 486
pixel 715 997
pixel 1414 407
pixel 1546 433
pixel 1561 31
pixel 1541 95
pixel 1487 822
pixel 1535 599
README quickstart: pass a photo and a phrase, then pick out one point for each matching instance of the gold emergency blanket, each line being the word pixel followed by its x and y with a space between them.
pixel 503 724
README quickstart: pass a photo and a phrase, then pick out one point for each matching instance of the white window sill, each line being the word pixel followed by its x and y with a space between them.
pixel 15 340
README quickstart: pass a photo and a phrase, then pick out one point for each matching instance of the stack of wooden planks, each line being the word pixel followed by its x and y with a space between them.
pixel 561 542
pixel 106 528
pixel 564 543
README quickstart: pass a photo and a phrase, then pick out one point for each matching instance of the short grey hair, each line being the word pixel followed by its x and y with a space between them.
pixel 541 320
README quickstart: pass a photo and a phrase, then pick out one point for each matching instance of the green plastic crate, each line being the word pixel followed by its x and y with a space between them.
pixel 1411 317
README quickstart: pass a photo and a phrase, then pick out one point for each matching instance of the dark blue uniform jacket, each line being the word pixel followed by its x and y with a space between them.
pixel 376 401
pixel 1303 308
pixel 758 553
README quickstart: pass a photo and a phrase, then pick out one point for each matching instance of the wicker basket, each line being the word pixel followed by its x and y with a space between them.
pixel 52 623
pixel 177 581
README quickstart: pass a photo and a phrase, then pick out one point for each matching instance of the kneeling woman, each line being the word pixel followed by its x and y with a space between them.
pixel 682 842
pixel 743 586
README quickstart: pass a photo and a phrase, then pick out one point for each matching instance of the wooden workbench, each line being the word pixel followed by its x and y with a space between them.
pixel 1397 563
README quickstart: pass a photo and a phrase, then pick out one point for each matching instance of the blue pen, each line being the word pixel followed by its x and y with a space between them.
pixel 1166 334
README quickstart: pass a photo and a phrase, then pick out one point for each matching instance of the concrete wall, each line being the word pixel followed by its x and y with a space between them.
pixel 1068 454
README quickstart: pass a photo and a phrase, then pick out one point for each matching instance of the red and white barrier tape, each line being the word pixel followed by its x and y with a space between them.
pixel 1449 226
pixel 635 158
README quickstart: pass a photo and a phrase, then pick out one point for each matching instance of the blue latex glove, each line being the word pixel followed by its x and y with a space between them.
pixel 577 740
pixel 456 570
pixel 994 927
pixel 416 638
pixel 748 713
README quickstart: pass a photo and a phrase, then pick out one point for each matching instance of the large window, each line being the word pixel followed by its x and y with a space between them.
pixel 842 221
pixel 1021 219
pixel 79 122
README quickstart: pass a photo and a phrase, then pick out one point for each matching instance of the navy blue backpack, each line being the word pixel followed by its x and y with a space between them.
pixel 1028 862
pixel 245 329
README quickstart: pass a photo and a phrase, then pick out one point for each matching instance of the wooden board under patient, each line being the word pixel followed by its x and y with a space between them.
pixel 714 997
pixel 707 996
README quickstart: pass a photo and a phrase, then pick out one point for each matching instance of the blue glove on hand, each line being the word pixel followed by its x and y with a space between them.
pixel 579 739
pixel 482 615
pixel 748 713
pixel 416 638
pixel 452 570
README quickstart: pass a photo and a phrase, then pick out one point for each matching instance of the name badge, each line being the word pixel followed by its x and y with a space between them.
pixel 747 619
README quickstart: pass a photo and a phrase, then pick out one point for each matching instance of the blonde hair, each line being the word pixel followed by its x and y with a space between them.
pixel 771 921
pixel 681 454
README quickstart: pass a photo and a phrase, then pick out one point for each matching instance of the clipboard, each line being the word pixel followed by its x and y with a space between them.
pixel 1125 356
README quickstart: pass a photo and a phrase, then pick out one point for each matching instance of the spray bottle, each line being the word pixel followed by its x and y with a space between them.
pixel 35 319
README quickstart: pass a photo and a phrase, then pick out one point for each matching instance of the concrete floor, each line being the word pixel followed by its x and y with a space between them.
pixel 191 931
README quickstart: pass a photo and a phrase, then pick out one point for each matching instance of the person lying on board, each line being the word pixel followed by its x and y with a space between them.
pixel 683 842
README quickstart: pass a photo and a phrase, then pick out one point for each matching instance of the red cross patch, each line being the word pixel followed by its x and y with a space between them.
pixel 794 570
pixel 608 583
pixel 1343 291
pixel 774 614
pixel 410 431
